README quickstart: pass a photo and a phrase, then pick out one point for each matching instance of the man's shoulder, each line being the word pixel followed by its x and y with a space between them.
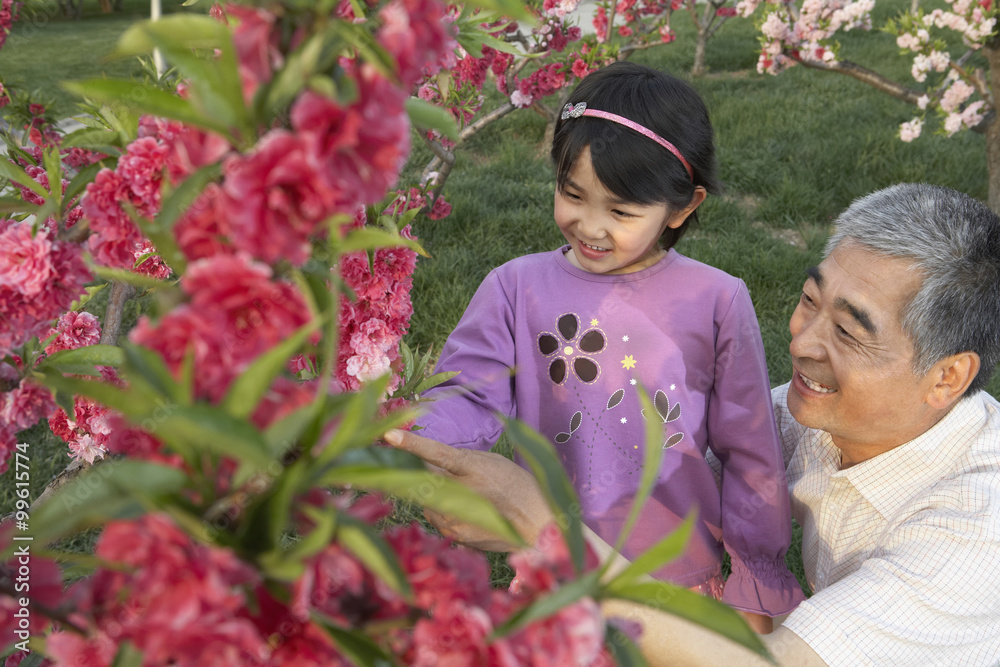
pixel 790 432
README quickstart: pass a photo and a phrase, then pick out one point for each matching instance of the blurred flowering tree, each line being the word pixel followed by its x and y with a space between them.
pixel 535 66
pixel 242 484
pixel 954 50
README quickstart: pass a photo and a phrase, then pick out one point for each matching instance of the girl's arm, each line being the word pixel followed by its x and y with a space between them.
pixel 666 640
pixel 756 519
pixel 462 411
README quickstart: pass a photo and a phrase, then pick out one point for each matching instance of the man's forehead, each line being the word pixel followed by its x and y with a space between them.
pixel 870 286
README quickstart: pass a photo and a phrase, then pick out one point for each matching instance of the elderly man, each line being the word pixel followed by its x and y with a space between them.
pixel 891 445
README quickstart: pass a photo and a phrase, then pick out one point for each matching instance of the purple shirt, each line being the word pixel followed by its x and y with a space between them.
pixel 580 344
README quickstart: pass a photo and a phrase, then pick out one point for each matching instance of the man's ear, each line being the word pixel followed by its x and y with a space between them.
pixel 951 378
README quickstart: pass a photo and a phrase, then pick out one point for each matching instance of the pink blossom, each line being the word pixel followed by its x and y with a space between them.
pixel 953 123
pixel 177 601
pixel 456 634
pixel 25 316
pixel 203 230
pixel 957 93
pixel 257 42
pixel 236 312
pixel 86 449
pixel 972 115
pixel 359 150
pixel 420 36
pixel 275 199
pixel 26 263
pixel 574 635
pixel 114 236
pixel 73 330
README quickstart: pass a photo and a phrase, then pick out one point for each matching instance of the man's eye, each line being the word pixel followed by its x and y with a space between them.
pixel 842 332
pixel 806 299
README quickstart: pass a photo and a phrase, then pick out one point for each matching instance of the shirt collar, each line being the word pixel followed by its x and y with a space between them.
pixel 889 480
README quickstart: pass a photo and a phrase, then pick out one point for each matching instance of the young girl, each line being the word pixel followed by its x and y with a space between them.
pixel 561 340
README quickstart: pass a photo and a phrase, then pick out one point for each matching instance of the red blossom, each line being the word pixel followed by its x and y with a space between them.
pixel 420 36
pixel 177 601
pixel 275 200
pixel 358 150
pixel 73 330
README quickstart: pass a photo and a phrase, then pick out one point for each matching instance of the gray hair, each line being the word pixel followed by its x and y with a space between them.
pixel 954 241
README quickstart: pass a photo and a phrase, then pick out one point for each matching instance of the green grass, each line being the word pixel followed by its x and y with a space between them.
pixel 793 150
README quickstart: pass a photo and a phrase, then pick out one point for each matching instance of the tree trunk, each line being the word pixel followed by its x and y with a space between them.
pixel 992 53
pixel 698 69
pixel 120 294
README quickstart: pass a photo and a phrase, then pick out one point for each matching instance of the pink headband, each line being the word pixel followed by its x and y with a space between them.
pixel 580 109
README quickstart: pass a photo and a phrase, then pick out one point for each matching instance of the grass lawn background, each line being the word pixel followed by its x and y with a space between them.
pixel 793 151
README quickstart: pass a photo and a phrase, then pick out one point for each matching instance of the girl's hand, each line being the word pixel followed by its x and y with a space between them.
pixel 511 488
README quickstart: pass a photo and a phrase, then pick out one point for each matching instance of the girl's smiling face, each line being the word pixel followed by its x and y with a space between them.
pixel 606 234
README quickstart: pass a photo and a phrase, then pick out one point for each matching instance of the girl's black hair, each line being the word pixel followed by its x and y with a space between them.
pixel 628 164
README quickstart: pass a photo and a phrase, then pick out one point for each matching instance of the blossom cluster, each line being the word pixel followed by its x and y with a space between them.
pixel 372 323
pixel 40 276
pixel 805 35
pixel 808 35
pixel 976 23
pixel 641 20
pixel 8 14
pixel 185 603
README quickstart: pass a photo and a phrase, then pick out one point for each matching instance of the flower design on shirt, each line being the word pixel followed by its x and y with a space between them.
pixel 570 350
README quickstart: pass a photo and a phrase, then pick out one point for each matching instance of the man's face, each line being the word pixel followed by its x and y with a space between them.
pixel 852 362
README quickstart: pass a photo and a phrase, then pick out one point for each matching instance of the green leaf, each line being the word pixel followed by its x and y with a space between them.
pixel 177 202
pixel 267 518
pixel 652 458
pixel 250 386
pixel 318 538
pixel 54 173
pixel 423 114
pixel 586 586
pixel 354 644
pixel 91 355
pixel 544 462
pixel 143 98
pixel 370 238
pixel 127 656
pixel 135 279
pixel 433 381
pixel 622 648
pixel 90 293
pixel 115 489
pixel 699 609
pixel 149 365
pixel 10 205
pixel 370 50
pixel 190 428
pixel 300 65
pixel 374 553
pixel 13 172
pixel 358 426
pixel 664 551
pixel 34 659
pixel 80 181
pixel 133 405
pixel 285 432
pixel 202 51
pixel 433 491
pixel 90 137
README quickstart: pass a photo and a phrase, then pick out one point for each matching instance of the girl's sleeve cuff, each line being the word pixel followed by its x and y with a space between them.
pixel 762 586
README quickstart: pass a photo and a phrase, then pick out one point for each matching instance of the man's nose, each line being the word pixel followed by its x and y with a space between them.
pixel 806 341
